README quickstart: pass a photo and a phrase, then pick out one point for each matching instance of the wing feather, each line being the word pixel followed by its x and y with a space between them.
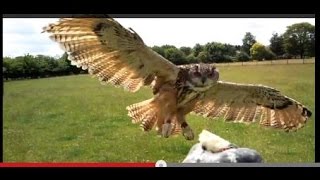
pixel 110 52
pixel 247 103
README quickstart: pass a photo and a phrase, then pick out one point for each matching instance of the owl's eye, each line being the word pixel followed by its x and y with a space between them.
pixel 211 74
pixel 197 74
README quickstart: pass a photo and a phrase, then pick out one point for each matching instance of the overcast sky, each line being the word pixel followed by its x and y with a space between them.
pixel 22 36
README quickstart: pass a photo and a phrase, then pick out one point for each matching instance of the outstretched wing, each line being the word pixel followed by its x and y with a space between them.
pixel 252 103
pixel 110 52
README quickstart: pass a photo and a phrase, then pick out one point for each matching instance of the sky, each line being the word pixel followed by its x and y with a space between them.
pixel 23 35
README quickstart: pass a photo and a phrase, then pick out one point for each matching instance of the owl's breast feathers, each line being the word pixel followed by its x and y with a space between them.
pixel 185 93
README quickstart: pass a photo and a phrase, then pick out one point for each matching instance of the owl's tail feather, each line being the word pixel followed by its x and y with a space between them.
pixel 144 112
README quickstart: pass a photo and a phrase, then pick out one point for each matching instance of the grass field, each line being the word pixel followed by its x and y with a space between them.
pixel 75 119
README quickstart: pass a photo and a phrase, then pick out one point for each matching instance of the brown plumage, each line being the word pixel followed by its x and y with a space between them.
pixel 119 56
pixel 249 103
pixel 110 52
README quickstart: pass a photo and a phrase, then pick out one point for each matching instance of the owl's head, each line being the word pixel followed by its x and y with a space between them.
pixel 203 76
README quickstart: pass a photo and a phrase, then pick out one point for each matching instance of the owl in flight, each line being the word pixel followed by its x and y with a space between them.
pixel 118 56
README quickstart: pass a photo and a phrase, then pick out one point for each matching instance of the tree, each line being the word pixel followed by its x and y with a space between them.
pixel 277 44
pixel 53 66
pixel 159 50
pixel 71 68
pixel 17 68
pixel 43 65
pixel 167 46
pixel 203 56
pixel 269 55
pixel 7 69
pixel 186 50
pixel 299 39
pixel 175 55
pixel 230 50
pixel 242 56
pixel 247 42
pixel 191 59
pixel 238 47
pixel 30 66
pixel 197 49
pixel 218 52
pixel 311 45
pixel 63 67
pixel 215 52
pixel 260 52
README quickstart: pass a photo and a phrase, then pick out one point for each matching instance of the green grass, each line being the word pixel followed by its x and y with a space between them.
pixel 75 119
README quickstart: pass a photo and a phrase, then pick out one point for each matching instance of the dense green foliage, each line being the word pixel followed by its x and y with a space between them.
pixel 39 66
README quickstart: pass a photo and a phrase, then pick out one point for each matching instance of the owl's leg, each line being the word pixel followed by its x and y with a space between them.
pixel 167 128
pixel 166 103
pixel 159 131
pixel 186 129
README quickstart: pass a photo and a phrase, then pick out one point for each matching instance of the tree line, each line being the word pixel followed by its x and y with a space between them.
pixel 297 42
pixel 40 66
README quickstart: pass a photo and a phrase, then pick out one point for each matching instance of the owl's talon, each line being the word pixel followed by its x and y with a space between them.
pixel 159 133
pixel 188 133
pixel 167 130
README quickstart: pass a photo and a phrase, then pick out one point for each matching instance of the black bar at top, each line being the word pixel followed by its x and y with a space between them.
pixel 161 15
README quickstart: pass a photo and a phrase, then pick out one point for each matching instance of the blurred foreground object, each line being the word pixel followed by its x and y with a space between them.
pixel 214 149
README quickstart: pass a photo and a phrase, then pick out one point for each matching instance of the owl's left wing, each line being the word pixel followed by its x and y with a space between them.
pixel 252 103
pixel 111 52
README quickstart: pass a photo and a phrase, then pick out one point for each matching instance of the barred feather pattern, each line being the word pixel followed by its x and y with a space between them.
pixel 111 53
pixel 139 110
pixel 146 113
pixel 245 103
pixel 176 128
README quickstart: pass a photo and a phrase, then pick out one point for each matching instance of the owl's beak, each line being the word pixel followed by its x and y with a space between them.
pixel 203 79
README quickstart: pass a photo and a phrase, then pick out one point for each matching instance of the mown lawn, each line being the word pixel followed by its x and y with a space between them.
pixel 75 119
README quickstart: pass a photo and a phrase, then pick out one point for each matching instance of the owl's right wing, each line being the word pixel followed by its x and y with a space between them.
pixel 109 51
pixel 248 103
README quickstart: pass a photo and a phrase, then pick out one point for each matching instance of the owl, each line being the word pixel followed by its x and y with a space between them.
pixel 118 56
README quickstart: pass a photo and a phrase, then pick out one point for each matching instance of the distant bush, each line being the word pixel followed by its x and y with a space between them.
pixel 242 56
